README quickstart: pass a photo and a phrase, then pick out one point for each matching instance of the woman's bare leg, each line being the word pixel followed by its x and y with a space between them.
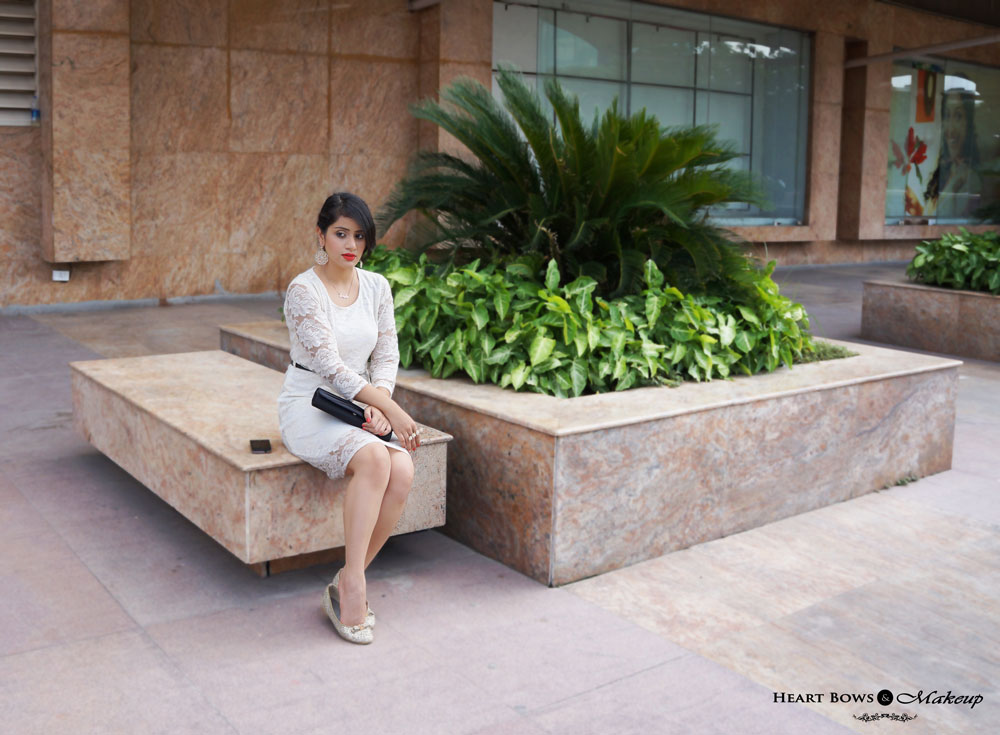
pixel 369 471
pixel 400 482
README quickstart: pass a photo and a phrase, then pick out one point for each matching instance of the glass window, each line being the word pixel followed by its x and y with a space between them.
pixel 750 80
pixel 944 158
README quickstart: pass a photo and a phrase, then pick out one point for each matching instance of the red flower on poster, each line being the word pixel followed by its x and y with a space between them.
pixel 916 153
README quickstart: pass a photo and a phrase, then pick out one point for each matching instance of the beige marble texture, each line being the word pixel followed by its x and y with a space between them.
pixel 92 15
pixel 180 424
pixel 277 102
pixel 370 177
pixel 273 200
pixel 964 323
pixel 179 99
pixel 88 155
pixel 364 91
pixel 290 25
pixel 374 28
pixel 178 203
pixel 90 213
pixel 185 22
pixel 621 477
pixel 20 199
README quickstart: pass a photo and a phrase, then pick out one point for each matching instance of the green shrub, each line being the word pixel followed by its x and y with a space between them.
pixel 499 324
pixel 598 199
pixel 959 260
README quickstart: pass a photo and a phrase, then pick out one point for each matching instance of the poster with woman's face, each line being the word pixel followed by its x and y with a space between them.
pixel 942 142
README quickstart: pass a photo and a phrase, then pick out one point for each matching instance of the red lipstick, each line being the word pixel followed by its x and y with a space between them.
pixel 348 256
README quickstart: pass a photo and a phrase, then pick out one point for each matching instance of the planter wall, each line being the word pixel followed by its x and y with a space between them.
pixel 562 489
pixel 944 320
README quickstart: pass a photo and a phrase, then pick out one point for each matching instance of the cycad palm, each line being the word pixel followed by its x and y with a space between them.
pixel 599 199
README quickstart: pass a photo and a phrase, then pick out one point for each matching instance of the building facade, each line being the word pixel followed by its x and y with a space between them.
pixel 185 148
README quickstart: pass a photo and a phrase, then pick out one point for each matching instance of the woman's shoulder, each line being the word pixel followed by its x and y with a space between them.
pixel 306 282
pixel 307 277
pixel 376 281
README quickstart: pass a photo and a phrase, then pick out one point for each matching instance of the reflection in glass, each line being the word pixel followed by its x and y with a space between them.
pixel 944 156
pixel 749 79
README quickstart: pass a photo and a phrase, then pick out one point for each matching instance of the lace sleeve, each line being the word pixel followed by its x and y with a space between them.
pixel 385 355
pixel 302 310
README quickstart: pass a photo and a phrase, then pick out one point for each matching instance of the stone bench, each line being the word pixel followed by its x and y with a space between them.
pixel 181 425
pixel 566 488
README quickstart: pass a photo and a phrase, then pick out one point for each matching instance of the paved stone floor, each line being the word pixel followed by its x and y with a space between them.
pixel 119 616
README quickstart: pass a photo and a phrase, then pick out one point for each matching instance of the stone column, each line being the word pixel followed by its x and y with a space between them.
pixel 865 135
pixel 84 102
pixel 456 39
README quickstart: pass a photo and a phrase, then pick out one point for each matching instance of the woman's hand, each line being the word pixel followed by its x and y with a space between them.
pixel 375 421
pixel 404 427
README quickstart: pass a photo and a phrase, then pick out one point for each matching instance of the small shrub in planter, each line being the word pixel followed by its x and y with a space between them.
pixel 499 324
pixel 959 260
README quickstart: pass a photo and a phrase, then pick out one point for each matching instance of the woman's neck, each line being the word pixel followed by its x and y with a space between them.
pixel 336 277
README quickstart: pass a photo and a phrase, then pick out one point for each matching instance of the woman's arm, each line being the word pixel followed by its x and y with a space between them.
pixel 384 360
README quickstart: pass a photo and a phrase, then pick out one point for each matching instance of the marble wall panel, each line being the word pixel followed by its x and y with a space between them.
pixel 90 85
pixel 291 25
pixel 20 195
pixel 499 483
pixel 90 215
pixel 178 203
pixel 376 28
pixel 257 271
pixel 467 31
pixel 93 15
pixel 369 104
pixel 185 22
pixel 139 277
pixel 192 275
pixel 273 201
pixel 179 99
pixel 828 68
pixel 371 177
pixel 278 102
pixel 88 190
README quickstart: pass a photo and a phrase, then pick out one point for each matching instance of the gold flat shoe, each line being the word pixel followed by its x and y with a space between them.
pixel 335 584
pixel 361 633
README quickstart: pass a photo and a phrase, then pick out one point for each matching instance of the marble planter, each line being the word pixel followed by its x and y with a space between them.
pixel 931 318
pixel 181 425
pixel 562 489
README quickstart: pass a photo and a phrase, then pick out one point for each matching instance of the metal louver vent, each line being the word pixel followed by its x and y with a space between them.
pixel 18 80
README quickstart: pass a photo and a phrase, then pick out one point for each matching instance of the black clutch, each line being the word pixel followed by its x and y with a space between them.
pixel 342 409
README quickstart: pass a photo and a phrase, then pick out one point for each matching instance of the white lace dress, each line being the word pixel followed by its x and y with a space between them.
pixel 347 347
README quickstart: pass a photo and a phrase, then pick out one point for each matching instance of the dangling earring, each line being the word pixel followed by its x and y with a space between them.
pixel 321 257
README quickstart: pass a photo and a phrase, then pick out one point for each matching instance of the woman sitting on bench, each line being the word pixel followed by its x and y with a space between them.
pixel 343 336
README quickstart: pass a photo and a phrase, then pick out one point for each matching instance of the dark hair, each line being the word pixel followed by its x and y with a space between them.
pixel 970 147
pixel 345 204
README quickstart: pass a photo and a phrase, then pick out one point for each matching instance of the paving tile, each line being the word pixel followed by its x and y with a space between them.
pixel 956 493
pixel 78 489
pixel 686 695
pixel 117 683
pixel 17 516
pixel 297 675
pixel 175 571
pixel 50 597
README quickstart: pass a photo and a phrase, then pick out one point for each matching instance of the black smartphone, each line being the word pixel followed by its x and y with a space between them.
pixel 260 446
